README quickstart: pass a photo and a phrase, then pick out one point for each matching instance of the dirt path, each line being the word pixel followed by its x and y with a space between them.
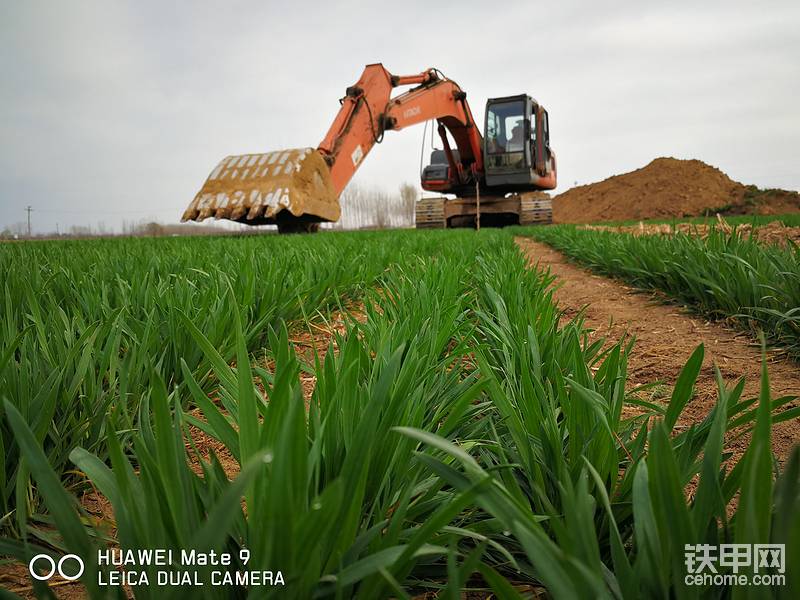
pixel 665 338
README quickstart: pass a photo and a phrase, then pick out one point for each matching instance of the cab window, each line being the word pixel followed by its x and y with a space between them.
pixel 505 127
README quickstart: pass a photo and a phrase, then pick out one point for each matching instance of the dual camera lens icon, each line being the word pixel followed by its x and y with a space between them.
pixel 47 561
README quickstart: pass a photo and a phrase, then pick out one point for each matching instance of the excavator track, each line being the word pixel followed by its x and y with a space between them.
pixel 429 214
pixel 536 211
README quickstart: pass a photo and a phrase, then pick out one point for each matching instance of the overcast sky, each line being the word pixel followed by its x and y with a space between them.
pixel 112 111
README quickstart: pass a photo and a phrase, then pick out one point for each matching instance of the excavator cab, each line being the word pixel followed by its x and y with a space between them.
pixel 517 151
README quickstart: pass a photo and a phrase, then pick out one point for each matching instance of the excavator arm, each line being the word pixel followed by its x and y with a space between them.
pixel 368 111
pixel 303 185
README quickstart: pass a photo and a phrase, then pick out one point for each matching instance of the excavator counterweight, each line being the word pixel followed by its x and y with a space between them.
pixel 299 188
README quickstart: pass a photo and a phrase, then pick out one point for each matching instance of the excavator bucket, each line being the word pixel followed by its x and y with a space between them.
pixel 287 187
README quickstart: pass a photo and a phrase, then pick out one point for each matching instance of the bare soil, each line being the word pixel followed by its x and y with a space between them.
pixel 667 188
pixel 666 335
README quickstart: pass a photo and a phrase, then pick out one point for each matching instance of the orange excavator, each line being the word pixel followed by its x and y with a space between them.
pixel 496 178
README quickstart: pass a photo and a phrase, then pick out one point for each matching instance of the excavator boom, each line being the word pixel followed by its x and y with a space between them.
pixel 368 111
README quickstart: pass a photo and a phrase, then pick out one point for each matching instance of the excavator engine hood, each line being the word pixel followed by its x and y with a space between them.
pixel 256 189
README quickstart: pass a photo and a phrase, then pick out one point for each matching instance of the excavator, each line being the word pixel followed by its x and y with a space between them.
pixel 496 179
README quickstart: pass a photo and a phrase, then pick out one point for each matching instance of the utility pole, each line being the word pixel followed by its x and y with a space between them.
pixel 28 209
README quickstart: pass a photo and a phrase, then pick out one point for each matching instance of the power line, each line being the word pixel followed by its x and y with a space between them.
pixel 107 212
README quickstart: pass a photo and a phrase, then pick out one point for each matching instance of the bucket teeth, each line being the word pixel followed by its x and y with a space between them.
pixel 192 213
pixel 255 188
pixel 256 210
pixel 237 213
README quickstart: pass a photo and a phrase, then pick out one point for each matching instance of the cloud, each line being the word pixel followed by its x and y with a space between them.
pixel 119 111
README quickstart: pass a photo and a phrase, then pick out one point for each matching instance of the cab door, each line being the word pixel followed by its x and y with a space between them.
pixel 511 136
pixel 530 132
pixel 540 142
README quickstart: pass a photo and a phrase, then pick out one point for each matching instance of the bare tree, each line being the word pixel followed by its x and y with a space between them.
pixel 17 230
pixel 364 208
pixel 352 209
pixel 382 205
pixel 408 197
pixel 81 231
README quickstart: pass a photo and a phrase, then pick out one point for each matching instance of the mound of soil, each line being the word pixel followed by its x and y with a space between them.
pixel 667 188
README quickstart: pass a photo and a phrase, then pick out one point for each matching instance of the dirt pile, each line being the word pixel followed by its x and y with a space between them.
pixel 667 188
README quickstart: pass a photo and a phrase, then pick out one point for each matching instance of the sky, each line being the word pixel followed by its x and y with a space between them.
pixel 113 112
